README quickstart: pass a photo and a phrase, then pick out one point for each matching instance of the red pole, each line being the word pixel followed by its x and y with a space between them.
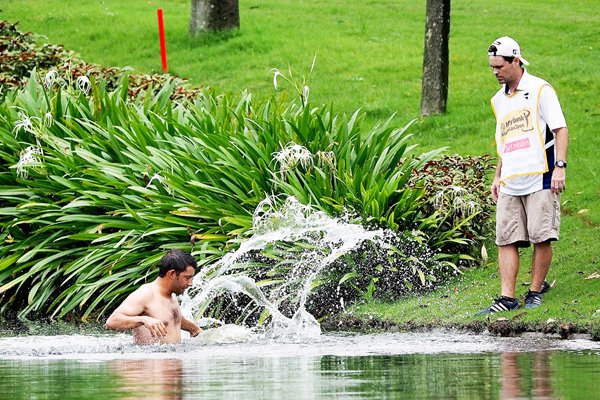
pixel 163 45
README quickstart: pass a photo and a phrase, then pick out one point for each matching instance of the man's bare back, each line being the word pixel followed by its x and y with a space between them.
pixel 152 311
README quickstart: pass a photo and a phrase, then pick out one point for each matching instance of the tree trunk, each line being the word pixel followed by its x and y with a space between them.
pixel 214 15
pixel 436 58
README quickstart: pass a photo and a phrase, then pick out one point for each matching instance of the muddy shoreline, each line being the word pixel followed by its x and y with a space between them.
pixel 499 327
pixel 347 323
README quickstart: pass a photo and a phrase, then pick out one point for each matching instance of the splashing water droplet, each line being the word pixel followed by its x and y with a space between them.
pixel 324 240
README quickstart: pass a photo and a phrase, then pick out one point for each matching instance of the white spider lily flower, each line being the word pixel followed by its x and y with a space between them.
pixel 276 73
pixel 29 157
pixel 438 200
pixel 51 78
pixel 326 158
pixel 25 123
pixel 469 208
pixel 456 197
pixel 305 93
pixel 292 155
pixel 160 179
pixel 484 254
pixel 458 201
pixel 48 119
pixel 83 83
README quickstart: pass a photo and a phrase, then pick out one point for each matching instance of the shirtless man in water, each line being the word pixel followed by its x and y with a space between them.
pixel 152 312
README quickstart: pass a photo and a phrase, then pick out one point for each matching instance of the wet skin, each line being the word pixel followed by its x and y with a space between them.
pixel 152 311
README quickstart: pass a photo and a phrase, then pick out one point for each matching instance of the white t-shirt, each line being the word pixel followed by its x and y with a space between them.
pixel 549 117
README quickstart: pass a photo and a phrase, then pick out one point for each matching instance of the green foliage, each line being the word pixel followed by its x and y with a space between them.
pixel 94 187
pixel 459 202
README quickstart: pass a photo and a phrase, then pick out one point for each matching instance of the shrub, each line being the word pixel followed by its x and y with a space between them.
pixel 20 54
pixel 457 197
pixel 94 187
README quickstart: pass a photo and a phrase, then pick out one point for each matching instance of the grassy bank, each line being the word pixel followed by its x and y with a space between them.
pixel 369 56
pixel 572 305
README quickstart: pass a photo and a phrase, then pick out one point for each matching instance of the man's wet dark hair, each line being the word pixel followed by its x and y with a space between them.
pixel 177 260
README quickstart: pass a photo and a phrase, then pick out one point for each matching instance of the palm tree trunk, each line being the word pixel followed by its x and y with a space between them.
pixel 436 58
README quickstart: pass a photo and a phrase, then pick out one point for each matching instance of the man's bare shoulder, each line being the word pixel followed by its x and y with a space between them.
pixel 146 291
pixel 139 297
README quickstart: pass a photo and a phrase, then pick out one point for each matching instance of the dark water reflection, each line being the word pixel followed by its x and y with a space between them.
pixel 509 375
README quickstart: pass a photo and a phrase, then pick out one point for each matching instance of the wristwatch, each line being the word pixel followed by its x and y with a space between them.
pixel 560 164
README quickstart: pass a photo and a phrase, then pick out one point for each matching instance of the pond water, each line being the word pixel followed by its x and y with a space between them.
pixel 236 364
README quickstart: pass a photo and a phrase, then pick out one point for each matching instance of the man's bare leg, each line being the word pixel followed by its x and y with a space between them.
pixel 508 266
pixel 540 264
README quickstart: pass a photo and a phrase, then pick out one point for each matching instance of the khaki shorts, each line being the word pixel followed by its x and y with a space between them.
pixel 533 218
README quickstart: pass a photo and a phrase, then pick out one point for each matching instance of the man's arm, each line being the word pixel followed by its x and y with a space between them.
pixel 559 174
pixel 552 113
pixel 191 327
pixel 496 183
pixel 129 315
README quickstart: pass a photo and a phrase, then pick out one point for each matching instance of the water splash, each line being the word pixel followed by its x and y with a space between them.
pixel 299 243
pixel 226 334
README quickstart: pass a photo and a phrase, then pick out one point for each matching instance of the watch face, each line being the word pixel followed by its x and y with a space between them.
pixel 560 164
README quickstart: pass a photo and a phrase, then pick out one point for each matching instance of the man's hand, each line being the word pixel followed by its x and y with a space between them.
pixel 195 332
pixel 495 189
pixel 558 180
pixel 191 327
pixel 157 328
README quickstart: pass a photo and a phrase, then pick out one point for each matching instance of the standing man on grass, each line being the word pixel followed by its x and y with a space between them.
pixel 152 311
pixel 531 139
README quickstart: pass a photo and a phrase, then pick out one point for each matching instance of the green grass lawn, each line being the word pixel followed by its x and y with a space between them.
pixel 575 298
pixel 369 56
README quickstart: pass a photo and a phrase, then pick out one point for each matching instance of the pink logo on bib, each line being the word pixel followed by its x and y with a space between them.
pixel 517 145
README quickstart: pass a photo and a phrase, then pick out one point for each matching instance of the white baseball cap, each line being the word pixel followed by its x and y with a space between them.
pixel 506 47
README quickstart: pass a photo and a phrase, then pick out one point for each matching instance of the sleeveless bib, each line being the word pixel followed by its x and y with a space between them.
pixel 519 138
